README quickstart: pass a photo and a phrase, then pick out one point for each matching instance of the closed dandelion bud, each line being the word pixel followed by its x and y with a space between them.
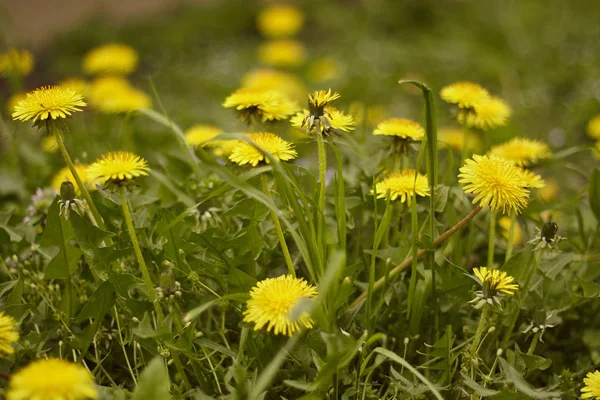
pixel 549 230
pixel 67 191
pixel 539 316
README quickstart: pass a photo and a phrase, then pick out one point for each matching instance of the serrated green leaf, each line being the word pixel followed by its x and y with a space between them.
pixel 99 303
pixel 154 382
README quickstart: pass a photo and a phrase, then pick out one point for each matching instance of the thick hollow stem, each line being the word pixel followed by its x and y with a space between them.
pixel 491 239
pixel 284 247
pixel 138 254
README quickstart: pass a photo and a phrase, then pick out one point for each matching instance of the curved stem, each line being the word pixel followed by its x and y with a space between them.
pixel 138 254
pixel 284 247
pixel 491 239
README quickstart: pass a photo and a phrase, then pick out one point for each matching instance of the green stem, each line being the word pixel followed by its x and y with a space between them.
pixel 82 187
pixel 322 186
pixel 138 254
pixel 534 342
pixel 491 239
pixel 511 236
pixel 480 327
pixel 284 247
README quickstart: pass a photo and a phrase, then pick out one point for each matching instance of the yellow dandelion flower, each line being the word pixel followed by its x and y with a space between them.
pixel 199 135
pixel 283 53
pixel 324 69
pixel 322 98
pixel 495 182
pixel 8 333
pixel 400 127
pixel 48 102
pixel 266 105
pixel 402 184
pixel 522 151
pixel 111 58
pixel 457 139
pixel 14 100
pixel 113 94
pixel 277 304
pixel 270 79
pixel 549 192
pixel 280 20
pixel 338 120
pixel 16 62
pixel 496 280
pixel 77 84
pixel 504 224
pixel 464 94
pixel 532 180
pixel 591 390
pixel 593 127
pixel 65 175
pixel 49 144
pixel 117 167
pixel 52 379
pixel 222 147
pixel 357 110
pixel 488 114
pixel 245 153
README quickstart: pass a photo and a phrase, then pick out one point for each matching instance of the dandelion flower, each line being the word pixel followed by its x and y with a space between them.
pixel 488 114
pixel 52 379
pixel 279 21
pixel 277 304
pixel 14 100
pixel 522 151
pixel 16 62
pixel 8 333
pixel 495 183
pixel 324 69
pixel 504 224
pixel 549 192
pixel 77 84
pixel 593 127
pixel 266 105
pixel 245 153
pixel 48 102
pixel 400 127
pixel 199 135
pixel 498 280
pixel 321 98
pixel 270 79
pixel 402 184
pixel 283 53
pixel 338 120
pixel 113 95
pixel 111 58
pixel 117 167
pixel 591 390
pixel 457 139
pixel 65 175
pixel 532 180
pixel 464 94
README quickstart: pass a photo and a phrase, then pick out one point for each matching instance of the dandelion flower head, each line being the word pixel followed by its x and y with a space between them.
pixel 283 53
pixel 532 180
pixel 265 105
pixel 324 69
pixel 591 390
pixel 488 114
pixel 52 379
pixel 77 84
pixel 464 94
pixel 276 305
pixel 400 127
pixel 111 58
pixel 504 224
pixel 495 281
pixel 65 175
pixel 48 102
pixel 14 99
pixel 593 127
pixel 117 167
pixel 280 20
pixel 114 95
pixel 245 153
pixel 338 120
pixel 550 191
pixel 459 138
pixel 8 333
pixel 495 182
pixel 522 151
pixel 271 79
pixel 199 135
pixel 321 98
pixel 403 185
pixel 16 62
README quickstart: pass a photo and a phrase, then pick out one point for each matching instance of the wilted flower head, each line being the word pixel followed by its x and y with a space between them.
pixel 48 103
pixel 546 237
pixel 261 104
pixel 494 285
pixel 280 20
pixel 280 304
pixel 488 114
pixel 111 58
pixel 16 62
pixel 402 184
pixel 522 151
pixel 464 94
pixel 245 153
pixel 118 167
pixel 284 53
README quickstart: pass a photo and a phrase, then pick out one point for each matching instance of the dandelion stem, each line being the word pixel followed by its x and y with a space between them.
pixel 480 327
pixel 511 236
pixel 83 189
pixel 322 186
pixel 491 239
pixel 284 247
pixel 534 342
pixel 138 254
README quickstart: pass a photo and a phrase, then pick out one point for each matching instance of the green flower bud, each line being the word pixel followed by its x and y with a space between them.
pixel 67 191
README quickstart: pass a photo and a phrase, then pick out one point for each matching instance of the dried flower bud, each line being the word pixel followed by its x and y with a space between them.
pixel 67 191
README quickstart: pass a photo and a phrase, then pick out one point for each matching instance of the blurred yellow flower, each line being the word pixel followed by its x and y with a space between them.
pixel 14 100
pixel 593 127
pixel 271 79
pixel 48 102
pixel 591 390
pixel 65 175
pixel 504 224
pixel 338 120
pixel 117 167
pixel 277 304
pixel 400 127
pixel 404 185
pixel 245 153
pixel 16 62
pixel 8 334
pixel 495 183
pixel 375 114
pixel 324 69
pixel 532 180
pixel 357 109
pixel 49 144
pixel 522 151
pixel 280 20
pixel 111 58
pixel 199 135
pixel 264 105
pixel 77 84
pixel 283 53
pixel 113 94
pixel 52 379
pixel 485 115
pixel 464 94
pixel 459 138
pixel 549 192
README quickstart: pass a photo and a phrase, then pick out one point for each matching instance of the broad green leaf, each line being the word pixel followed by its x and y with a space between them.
pixel 87 235
pixel 99 303
pixel 551 268
pixel 480 390
pixel 512 375
pixel 154 382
